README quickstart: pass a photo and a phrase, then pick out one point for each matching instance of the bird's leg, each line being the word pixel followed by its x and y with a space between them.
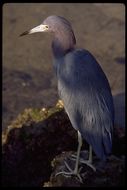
pixel 78 152
pixel 90 159
pixel 90 154
pixel 87 162
pixel 76 170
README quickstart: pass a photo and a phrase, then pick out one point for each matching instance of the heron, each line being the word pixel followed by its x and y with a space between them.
pixel 84 89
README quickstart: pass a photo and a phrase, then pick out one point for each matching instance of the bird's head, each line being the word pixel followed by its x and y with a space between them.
pixel 64 39
pixel 51 24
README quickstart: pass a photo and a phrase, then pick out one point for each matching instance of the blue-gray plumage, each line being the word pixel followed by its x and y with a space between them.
pixel 86 94
pixel 83 88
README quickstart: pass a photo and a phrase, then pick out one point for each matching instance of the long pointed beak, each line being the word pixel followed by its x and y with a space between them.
pixel 40 28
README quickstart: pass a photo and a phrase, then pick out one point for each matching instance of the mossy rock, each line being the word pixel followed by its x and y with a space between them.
pixel 33 140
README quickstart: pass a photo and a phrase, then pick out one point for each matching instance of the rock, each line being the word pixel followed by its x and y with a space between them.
pixel 31 142
pixel 110 173
pixel 35 139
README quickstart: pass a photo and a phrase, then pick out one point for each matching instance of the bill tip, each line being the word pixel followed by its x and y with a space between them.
pixel 24 33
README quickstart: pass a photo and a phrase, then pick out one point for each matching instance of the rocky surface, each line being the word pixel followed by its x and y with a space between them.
pixel 35 145
pixel 110 175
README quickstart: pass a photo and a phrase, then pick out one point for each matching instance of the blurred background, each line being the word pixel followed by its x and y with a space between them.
pixel 28 76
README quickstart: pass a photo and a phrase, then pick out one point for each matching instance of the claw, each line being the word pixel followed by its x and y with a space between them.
pixel 80 179
pixel 66 174
pixel 81 160
pixel 71 173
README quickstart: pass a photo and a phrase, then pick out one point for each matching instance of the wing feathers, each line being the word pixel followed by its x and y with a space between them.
pixel 87 98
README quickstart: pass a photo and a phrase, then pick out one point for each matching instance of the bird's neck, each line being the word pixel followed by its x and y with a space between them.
pixel 62 44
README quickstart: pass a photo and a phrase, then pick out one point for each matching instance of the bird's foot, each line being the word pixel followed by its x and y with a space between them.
pixel 71 173
pixel 83 161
